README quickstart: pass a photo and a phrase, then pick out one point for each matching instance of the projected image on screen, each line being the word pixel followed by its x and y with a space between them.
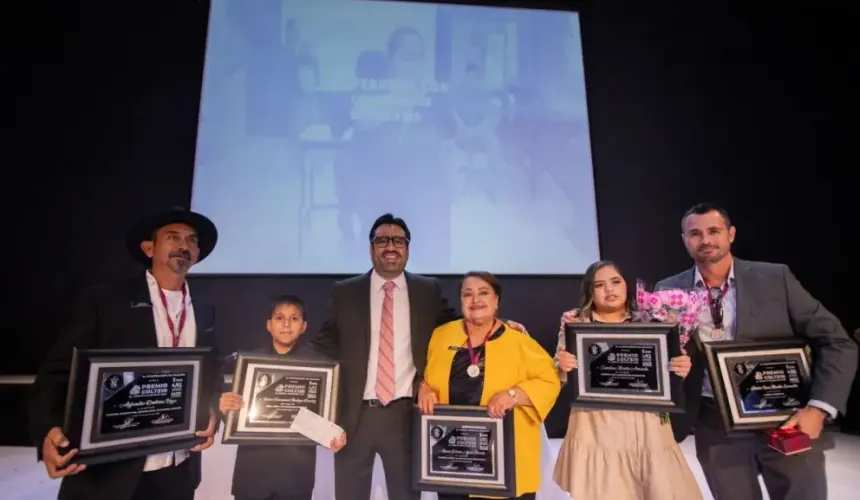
pixel 318 116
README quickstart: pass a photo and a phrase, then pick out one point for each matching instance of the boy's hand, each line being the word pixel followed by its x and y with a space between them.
pixel 230 401
pixel 337 444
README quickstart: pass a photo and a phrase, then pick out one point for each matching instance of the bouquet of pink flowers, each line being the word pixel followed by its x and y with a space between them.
pixel 670 306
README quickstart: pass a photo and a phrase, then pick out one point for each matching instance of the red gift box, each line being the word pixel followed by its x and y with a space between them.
pixel 789 441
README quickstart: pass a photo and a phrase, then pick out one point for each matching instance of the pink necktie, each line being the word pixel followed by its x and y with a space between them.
pixel 385 366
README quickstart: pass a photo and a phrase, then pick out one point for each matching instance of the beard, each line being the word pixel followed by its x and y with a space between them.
pixel 179 265
pixel 710 258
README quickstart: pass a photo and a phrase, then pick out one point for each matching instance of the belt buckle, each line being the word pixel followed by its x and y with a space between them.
pixel 374 403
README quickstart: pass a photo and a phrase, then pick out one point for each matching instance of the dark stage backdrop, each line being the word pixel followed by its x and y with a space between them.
pixel 746 110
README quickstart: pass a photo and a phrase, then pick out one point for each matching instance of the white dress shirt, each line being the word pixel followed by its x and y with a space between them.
pixel 404 365
pixel 165 339
pixel 706 326
pixel 706 321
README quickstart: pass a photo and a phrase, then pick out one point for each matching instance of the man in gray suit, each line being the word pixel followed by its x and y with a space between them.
pixel 757 301
pixel 379 328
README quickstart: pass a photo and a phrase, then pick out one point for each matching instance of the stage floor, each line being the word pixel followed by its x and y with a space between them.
pixel 22 478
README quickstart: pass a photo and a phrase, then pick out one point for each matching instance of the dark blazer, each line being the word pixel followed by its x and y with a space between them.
pixel 112 315
pixel 345 335
pixel 772 304
pixel 263 471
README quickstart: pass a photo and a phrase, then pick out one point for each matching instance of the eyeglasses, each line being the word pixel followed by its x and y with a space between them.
pixel 398 241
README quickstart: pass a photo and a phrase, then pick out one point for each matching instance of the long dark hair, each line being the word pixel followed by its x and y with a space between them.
pixel 586 295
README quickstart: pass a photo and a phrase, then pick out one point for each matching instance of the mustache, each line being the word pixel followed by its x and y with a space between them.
pixel 181 254
pixel 706 247
pixel 390 252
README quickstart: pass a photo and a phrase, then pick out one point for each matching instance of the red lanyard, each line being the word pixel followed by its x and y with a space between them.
pixel 176 334
pixel 714 299
pixel 474 357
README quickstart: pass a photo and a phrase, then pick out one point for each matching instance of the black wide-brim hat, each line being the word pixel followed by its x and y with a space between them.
pixel 142 230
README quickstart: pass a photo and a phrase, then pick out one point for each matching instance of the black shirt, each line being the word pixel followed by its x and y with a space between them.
pixel 463 389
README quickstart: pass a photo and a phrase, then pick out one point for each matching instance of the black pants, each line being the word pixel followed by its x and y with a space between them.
pixel 169 483
pixel 524 496
pixel 384 431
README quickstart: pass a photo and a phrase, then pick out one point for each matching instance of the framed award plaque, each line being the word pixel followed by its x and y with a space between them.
pixel 625 366
pixel 273 390
pixel 463 450
pixel 126 403
pixel 758 385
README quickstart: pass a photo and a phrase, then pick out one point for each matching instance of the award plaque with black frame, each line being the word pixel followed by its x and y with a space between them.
pixel 127 403
pixel 273 390
pixel 462 450
pixel 758 385
pixel 625 366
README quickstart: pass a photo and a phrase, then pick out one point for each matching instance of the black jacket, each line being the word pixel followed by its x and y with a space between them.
pixel 112 315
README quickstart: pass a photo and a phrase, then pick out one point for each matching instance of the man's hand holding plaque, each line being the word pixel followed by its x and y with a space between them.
pixel 57 462
pixel 209 434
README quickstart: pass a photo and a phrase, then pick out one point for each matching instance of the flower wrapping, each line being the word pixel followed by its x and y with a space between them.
pixel 671 306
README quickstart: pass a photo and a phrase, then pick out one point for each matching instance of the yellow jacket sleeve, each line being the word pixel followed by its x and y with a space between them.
pixel 433 349
pixel 541 384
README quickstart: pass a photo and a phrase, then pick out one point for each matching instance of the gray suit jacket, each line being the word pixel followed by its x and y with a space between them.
pixel 345 335
pixel 772 304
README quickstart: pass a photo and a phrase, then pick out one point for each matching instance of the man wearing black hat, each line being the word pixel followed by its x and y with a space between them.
pixel 151 310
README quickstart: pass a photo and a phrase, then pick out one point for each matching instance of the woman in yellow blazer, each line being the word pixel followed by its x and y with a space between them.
pixel 497 367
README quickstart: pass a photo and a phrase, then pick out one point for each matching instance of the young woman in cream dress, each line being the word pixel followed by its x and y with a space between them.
pixel 614 454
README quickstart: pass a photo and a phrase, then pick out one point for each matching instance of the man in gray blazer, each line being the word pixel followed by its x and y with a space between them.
pixel 379 328
pixel 757 301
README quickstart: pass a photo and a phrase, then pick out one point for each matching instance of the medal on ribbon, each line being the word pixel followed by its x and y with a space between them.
pixel 474 355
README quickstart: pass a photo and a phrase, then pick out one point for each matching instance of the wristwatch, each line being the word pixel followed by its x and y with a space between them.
pixel 513 394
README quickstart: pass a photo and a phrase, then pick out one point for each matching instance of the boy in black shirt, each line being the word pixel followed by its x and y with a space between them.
pixel 277 472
